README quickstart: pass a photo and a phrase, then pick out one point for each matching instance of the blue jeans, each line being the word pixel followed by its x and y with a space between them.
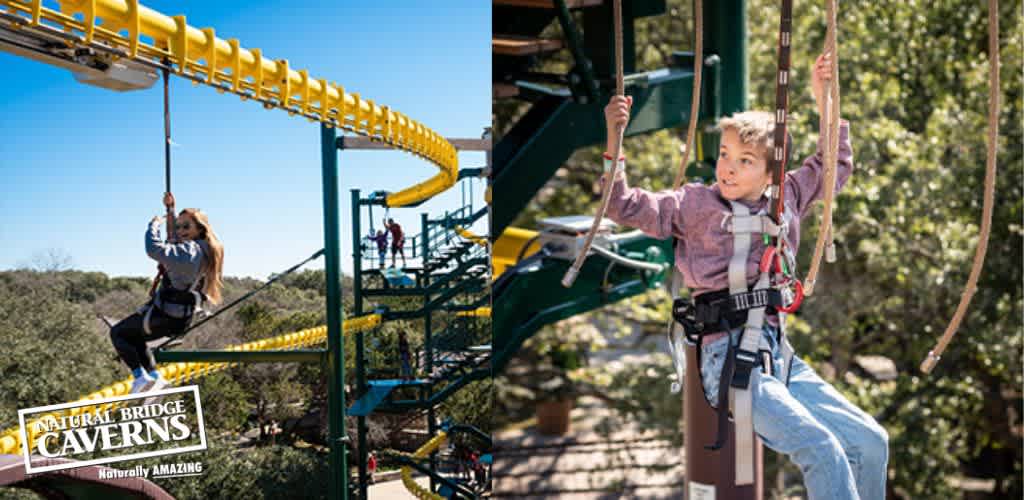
pixel 841 450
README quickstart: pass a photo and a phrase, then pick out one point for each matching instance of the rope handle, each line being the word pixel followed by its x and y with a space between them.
pixel 830 133
pixel 990 181
pixel 581 257
pixel 698 70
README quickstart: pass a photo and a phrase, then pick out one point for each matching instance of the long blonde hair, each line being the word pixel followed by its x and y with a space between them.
pixel 213 263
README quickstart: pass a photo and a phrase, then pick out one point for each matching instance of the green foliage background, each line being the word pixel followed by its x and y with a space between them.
pixel 266 422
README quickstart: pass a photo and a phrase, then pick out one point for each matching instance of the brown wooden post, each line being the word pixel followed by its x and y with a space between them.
pixel 710 475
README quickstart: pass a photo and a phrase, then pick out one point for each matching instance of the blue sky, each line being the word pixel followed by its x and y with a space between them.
pixel 82 167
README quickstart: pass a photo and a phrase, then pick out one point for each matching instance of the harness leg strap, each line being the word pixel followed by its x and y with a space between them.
pixel 723 394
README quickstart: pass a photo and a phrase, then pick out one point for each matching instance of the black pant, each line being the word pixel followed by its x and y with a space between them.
pixel 129 336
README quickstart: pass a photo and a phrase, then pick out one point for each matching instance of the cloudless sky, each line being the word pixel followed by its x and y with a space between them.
pixel 82 168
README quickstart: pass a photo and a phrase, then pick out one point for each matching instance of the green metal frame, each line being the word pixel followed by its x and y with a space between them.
pixel 435 290
pixel 540 143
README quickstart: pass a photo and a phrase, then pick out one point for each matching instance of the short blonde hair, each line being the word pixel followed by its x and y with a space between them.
pixel 756 128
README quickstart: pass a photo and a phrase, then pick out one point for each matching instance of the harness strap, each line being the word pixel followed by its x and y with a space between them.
pixel 746 356
pixel 145 320
pixel 756 224
pixel 676 334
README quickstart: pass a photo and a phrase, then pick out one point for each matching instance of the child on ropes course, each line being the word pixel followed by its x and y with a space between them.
pixel 381 239
pixel 841 450
pixel 397 240
pixel 191 275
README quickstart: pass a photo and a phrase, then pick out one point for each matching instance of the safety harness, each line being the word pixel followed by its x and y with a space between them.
pixel 746 308
pixel 175 303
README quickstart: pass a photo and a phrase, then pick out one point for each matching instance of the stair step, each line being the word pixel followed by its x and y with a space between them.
pixel 515 45
pixel 547 4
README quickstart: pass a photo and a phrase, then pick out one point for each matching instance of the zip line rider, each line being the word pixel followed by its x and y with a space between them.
pixel 192 265
pixel 841 450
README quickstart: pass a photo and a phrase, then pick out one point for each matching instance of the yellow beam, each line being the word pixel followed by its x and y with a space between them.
pixel 177 373
pixel 509 246
pixel 469 235
pixel 198 54
pixel 424 451
pixel 480 312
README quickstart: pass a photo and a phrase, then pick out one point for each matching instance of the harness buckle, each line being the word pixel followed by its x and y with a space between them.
pixel 685 313
pixel 745 361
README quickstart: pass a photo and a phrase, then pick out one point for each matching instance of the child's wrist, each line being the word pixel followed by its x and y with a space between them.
pixel 607 157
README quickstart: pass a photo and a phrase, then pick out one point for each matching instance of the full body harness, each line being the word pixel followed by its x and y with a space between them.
pixel 741 307
pixel 777 290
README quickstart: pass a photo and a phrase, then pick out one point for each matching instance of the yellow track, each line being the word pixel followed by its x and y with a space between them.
pixel 471 236
pixel 424 451
pixel 509 246
pixel 197 54
pixel 480 312
pixel 178 373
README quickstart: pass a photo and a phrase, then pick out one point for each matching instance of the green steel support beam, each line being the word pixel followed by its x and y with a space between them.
pixel 535 297
pixel 438 397
pixel 725 34
pixel 214 356
pixel 336 437
pixel 427 334
pixel 357 295
pixel 555 127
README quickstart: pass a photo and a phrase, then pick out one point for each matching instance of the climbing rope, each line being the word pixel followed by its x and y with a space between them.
pixel 581 257
pixel 990 186
pixel 830 132
pixel 698 69
pixel 676 347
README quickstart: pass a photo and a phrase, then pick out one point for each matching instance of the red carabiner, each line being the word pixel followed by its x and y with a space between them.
pixel 766 259
pixel 797 299
pixel 770 254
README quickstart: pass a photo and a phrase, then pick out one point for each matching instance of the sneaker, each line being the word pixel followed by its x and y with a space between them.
pixel 158 384
pixel 141 384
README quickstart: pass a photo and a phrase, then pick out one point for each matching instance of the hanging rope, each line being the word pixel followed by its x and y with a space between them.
pixel 581 257
pixel 779 150
pixel 698 70
pixel 167 174
pixel 830 132
pixel 990 186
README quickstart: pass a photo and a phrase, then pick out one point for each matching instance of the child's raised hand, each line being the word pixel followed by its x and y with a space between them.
pixel 821 74
pixel 616 116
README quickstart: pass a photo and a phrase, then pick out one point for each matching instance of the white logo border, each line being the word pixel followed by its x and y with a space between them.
pixel 95 402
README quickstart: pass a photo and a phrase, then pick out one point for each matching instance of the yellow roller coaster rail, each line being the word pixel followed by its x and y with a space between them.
pixel 480 312
pixel 510 245
pixel 422 453
pixel 471 236
pixel 116 29
pixel 178 373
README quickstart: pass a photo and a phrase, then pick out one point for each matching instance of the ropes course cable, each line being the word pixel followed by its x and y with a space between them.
pixel 830 132
pixel 581 257
pixel 698 70
pixel 990 182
